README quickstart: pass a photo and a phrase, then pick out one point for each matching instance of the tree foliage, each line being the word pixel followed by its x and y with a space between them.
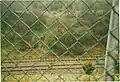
pixel 73 11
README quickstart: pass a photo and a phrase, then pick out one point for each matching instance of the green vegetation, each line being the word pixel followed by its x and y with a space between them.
pixel 88 67
pixel 48 28
pixel 74 26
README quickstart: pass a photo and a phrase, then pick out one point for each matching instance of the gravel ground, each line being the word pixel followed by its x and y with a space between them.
pixel 52 78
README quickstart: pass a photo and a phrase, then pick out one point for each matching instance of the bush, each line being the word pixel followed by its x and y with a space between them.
pixel 88 68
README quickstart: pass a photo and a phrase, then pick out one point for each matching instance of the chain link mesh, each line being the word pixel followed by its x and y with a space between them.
pixel 59 40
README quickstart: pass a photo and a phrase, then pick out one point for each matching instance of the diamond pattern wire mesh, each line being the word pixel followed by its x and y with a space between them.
pixel 49 41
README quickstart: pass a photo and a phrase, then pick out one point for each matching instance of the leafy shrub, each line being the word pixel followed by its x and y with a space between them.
pixel 88 68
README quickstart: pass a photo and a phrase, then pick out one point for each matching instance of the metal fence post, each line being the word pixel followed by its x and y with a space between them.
pixel 112 43
pixel 51 40
pixel 0 41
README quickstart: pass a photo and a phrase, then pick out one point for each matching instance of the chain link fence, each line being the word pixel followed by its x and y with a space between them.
pixel 59 40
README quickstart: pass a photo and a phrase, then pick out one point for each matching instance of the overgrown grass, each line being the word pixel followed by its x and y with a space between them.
pixel 37 52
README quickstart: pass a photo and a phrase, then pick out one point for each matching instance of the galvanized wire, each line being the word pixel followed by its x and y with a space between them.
pixel 49 48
